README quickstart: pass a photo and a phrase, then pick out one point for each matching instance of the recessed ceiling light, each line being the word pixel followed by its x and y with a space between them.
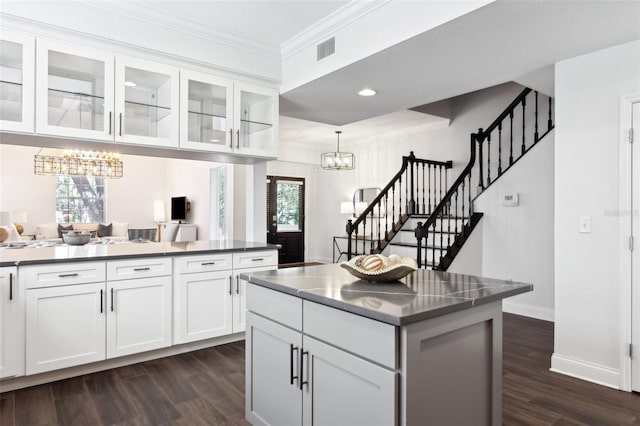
pixel 130 84
pixel 367 92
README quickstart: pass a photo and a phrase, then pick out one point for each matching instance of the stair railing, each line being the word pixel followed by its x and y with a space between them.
pixel 416 189
pixel 457 204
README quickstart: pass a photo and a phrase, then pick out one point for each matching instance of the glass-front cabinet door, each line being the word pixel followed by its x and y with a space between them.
pixel 146 103
pixel 17 82
pixel 255 120
pixel 206 111
pixel 74 91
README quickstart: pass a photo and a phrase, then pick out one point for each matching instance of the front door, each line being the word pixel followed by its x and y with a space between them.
pixel 285 217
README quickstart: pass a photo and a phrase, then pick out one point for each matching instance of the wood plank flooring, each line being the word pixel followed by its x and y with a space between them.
pixel 206 387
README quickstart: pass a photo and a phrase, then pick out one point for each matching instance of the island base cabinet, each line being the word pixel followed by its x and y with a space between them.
pixel 340 388
pixel 139 316
pixel 65 326
pixel 273 394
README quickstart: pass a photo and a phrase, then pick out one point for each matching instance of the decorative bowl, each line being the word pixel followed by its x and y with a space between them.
pixel 76 239
pixel 395 269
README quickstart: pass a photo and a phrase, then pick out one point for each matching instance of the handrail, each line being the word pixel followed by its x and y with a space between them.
pixel 506 112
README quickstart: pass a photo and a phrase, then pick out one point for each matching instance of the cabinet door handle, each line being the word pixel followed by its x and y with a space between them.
pixel 303 382
pixel 101 300
pixel 292 349
pixel 109 123
pixel 111 299
pixel 230 286
pixel 231 138
pixel 207 263
pixel 141 269
pixel 11 286
pixel 238 139
pixel 257 259
pixel 120 125
pixel 237 284
pixel 67 275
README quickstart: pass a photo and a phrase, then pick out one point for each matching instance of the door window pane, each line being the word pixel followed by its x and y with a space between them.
pixel 288 206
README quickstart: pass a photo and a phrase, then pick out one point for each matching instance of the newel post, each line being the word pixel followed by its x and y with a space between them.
pixel 480 140
pixel 349 229
pixel 419 233
pixel 412 201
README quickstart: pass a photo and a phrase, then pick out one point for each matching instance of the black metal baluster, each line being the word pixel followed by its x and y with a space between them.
pixel 440 199
pixel 510 137
pixel 462 210
pixel 550 121
pixel 372 233
pixel 424 210
pixel 379 227
pixel 393 208
pixel 386 216
pixel 524 149
pixel 469 194
pixel 489 159
pixel 535 134
pixel 499 149
pixel 407 182
pixel 399 205
pixel 446 186
pixel 457 214
pixel 429 189
pixel 355 238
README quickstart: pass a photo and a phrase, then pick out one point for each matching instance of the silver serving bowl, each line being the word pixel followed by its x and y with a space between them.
pixel 76 239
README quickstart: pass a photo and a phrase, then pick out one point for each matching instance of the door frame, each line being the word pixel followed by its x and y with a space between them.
pixel 303 217
pixel 625 255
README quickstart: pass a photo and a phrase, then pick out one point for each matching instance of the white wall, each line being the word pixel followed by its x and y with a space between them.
pixel 587 279
pixel 379 159
pixel 517 242
pixel 129 199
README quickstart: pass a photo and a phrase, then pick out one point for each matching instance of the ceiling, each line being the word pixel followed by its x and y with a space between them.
pixel 497 43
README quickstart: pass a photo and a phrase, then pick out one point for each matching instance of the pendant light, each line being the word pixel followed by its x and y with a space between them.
pixel 338 160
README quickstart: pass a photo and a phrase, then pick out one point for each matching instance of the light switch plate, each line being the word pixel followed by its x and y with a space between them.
pixel 584 224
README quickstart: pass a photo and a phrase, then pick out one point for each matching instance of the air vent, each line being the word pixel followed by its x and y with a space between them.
pixel 326 48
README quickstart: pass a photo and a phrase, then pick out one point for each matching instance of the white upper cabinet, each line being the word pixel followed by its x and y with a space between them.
pixel 224 116
pixel 255 120
pixel 146 103
pixel 74 91
pixel 206 111
pixel 17 82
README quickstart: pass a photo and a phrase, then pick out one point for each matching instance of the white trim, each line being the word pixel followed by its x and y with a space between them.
pixel 583 370
pixel 532 311
pixel 324 28
pixel 624 255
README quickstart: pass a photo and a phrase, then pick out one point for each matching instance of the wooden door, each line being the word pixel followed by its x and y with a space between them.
pixel 285 217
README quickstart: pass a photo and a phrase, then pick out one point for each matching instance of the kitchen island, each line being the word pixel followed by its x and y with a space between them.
pixel 324 347
pixel 70 310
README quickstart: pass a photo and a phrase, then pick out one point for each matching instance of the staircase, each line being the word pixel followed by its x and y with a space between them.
pixel 434 219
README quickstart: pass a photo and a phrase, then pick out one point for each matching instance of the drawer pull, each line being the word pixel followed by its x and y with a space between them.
pixel 11 286
pixel 230 286
pixel 207 263
pixel 111 299
pixel 302 381
pixel 257 259
pixel 141 269
pixel 101 300
pixel 291 350
pixel 237 284
pixel 67 275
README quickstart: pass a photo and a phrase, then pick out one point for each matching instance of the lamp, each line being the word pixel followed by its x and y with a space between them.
pixel 158 215
pixel 338 160
pixel 79 163
pixel 346 207
pixel 360 206
pixel 17 218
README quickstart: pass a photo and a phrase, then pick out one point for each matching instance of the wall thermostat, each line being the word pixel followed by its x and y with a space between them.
pixel 509 199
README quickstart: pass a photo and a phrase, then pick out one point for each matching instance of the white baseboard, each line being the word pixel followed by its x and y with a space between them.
pixel 531 311
pixel 585 370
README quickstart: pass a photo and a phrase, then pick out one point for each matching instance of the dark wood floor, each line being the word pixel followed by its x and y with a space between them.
pixel 206 387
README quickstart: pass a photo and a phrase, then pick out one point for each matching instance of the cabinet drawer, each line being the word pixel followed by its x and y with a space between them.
pixel 279 307
pixel 255 259
pixel 204 263
pixel 52 274
pixel 138 268
pixel 373 340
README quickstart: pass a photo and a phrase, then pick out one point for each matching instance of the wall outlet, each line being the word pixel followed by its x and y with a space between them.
pixel 584 224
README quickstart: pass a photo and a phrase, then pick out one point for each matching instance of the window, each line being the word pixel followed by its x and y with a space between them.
pixel 79 199
pixel 220 203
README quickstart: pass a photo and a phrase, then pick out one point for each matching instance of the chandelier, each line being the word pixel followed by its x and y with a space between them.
pixel 79 163
pixel 338 160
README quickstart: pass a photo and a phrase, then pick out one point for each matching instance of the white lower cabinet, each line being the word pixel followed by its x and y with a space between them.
pixel 65 326
pixel 11 324
pixel 295 379
pixel 139 315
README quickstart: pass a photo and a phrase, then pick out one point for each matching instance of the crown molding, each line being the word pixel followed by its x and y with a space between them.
pixel 152 13
pixel 328 26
